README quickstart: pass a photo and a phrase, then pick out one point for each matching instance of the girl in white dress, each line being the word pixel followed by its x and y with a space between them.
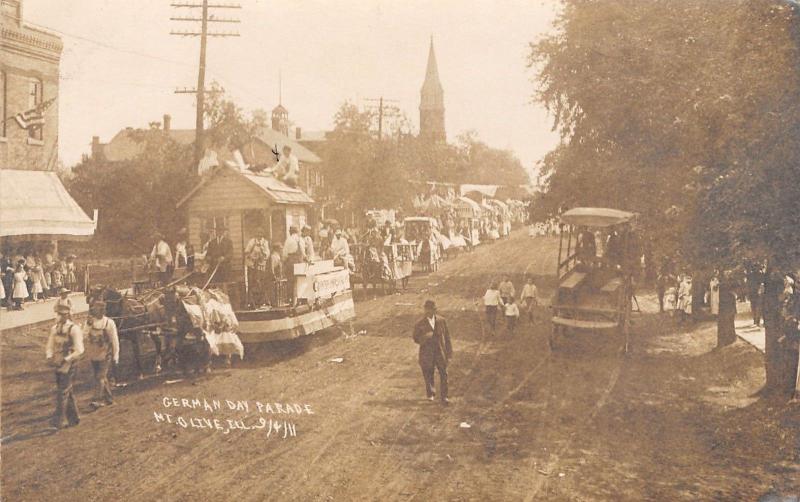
pixel 20 292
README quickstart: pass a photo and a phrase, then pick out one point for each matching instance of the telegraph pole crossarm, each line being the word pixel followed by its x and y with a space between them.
pixel 200 91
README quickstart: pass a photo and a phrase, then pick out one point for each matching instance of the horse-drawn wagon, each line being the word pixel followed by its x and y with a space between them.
pixel 306 298
pixel 423 232
pixel 383 265
pixel 596 261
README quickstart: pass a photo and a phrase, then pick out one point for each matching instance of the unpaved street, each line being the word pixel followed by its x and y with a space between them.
pixel 672 420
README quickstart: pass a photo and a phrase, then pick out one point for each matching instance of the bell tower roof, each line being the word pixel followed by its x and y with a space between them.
pixel 432 83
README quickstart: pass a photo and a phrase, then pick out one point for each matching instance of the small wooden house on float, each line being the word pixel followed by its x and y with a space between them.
pixel 243 202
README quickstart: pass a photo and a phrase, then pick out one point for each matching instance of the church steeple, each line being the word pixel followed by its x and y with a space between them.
pixel 431 104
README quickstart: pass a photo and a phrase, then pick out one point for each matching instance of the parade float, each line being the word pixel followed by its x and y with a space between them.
pixel 310 297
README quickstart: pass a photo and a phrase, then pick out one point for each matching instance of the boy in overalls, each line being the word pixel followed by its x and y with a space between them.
pixel 102 347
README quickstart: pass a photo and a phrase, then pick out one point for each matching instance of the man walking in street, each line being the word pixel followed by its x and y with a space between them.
pixel 64 347
pixel 102 346
pixel 435 349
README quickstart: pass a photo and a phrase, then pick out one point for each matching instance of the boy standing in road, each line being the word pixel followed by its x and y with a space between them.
pixel 529 297
pixel 512 314
pixel 507 290
pixel 102 345
pixel 492 301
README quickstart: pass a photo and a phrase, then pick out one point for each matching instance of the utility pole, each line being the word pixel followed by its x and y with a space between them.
pixel 383 110
pixel 200 91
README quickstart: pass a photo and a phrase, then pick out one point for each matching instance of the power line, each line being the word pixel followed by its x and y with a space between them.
pixel 200 91
pixel 111 47
pixel 387 109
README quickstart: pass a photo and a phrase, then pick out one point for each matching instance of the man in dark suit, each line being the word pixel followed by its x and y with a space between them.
pixel 220 251
pixel 433 338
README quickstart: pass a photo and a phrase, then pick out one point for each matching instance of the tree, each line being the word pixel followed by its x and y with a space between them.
pixel 360 170
pixel 686 112
pixel 136 197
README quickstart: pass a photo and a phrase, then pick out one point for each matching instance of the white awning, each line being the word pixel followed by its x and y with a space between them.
pixel 35 204
pixel 487 190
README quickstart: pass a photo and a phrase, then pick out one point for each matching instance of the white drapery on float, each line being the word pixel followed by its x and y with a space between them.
pixel 211 311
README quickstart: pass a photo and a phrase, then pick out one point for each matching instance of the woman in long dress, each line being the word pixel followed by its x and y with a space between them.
pixel 685 296
pixel 714 295
pixel 36 280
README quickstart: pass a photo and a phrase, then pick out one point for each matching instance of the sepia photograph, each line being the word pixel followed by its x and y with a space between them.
pixel 400 250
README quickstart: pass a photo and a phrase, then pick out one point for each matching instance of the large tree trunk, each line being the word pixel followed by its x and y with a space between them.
pixel 699 286
pixel 726 329
pixel 778 348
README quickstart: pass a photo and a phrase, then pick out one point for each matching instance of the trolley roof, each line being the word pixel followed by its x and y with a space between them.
pixel 599 217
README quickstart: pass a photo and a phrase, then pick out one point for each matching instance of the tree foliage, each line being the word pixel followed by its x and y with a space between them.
pixel 136 197
pixel 688 113
pixel 365 172
pixel 681 111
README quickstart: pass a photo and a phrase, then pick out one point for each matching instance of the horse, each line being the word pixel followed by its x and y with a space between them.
pixel 134 316
pixel 373 268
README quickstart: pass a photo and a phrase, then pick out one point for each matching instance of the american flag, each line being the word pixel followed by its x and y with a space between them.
pixel 34 117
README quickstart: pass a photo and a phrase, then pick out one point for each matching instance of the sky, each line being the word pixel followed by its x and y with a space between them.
pixel 120 65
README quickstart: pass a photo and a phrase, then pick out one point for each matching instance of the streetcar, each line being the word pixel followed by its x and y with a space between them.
pixel 596 262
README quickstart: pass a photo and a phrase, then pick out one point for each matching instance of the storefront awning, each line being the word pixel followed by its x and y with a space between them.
pixel 34 204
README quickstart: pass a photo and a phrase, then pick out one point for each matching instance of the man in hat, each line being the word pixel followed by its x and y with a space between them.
pixel 63 300
pixel 256 256
pixel 435 349
pixel 218 255
pixel 102 346
pixel 181 254
pixel 293 252
pixel 161 258
pixel 64 347
pixel 274 275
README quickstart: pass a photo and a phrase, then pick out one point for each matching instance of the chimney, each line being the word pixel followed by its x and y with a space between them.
pixel 298 133
pixel 96 147
pixel 167 122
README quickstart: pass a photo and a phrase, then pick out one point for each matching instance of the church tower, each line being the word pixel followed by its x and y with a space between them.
pixel 280 115
pixel 431 103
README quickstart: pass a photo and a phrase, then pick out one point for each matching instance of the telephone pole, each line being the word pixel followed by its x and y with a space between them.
pixel 383 110
pixel 200 91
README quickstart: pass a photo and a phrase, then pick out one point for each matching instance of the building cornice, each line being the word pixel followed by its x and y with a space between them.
pixel 32 43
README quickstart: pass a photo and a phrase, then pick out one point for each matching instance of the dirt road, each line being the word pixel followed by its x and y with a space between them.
pixel 672 420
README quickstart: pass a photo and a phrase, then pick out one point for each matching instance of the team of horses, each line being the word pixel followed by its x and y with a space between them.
pixel 155 314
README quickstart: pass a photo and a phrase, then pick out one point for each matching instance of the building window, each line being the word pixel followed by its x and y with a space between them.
pixel 3 104
pixel 34 100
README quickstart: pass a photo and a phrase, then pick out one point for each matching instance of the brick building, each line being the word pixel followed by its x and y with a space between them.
pixel 35 208
pixel 29 69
